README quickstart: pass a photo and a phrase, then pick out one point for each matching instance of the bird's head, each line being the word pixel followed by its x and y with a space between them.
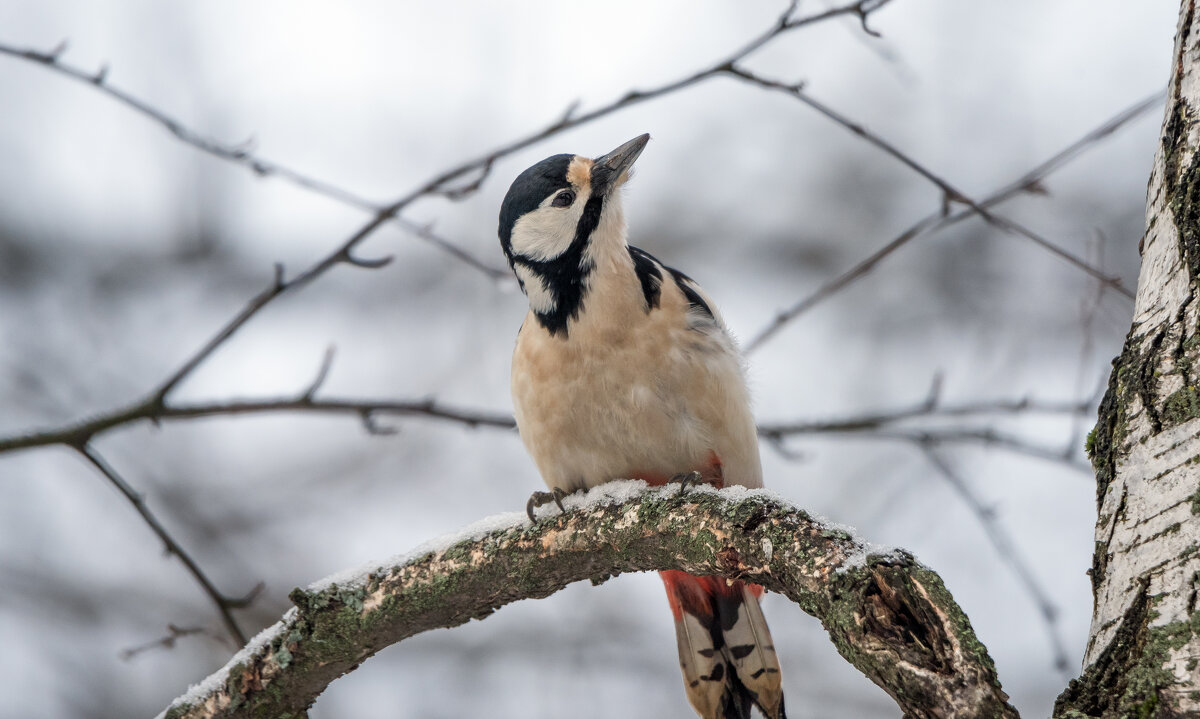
pixel 556 218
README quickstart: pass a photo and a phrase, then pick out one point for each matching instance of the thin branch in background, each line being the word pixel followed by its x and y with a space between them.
pixel 155 408
pixel 174 634
pixel 985 436
pixel 428 408
pixel 1005 547
pixel 1031 181
pixel 240 153
pixel 224 604
pixel 322 374
pixel 780 445
pixel 892 425
pixel 931 407
pixel 442 183
pixel 306 401
pixel 950 193
pixel 988 437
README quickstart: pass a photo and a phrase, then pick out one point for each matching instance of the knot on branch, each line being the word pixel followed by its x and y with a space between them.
pixel 896 610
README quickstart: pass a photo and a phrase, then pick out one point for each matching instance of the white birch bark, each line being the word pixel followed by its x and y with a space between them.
pixel 1143 653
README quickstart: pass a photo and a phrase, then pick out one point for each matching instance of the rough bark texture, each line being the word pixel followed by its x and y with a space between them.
pixel 1142 656
pixel 888 615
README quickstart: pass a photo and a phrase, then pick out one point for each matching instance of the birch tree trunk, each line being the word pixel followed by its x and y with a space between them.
pixel 1143 653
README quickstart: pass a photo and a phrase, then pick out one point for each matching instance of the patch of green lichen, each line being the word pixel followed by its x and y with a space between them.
pixel 653 508
pixel 701 543
pixel 458 552
pixel 233 685
pixel 838 534
pixel 1181 406
pixel 748 511
pixel 1149 676
pixel 352 598
pixel 1129 676
pixel 177 711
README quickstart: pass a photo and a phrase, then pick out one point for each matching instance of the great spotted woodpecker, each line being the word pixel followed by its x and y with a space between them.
pixel 623 368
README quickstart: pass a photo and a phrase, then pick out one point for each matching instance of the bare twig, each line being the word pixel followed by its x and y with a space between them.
pixel 306 401
pixel 950 194
pixel 985 436
pixel 147 411
pixel 223 604
pixel 240 153
pixel 174 634
pixel 1006 548
pixel 938 220
pixel 931 407
pixel 1032 181
pixel 442 183
pixel 156 409
pixel 891 424
pixel 322 374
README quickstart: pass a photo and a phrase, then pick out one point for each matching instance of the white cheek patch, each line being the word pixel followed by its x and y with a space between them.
pixel 547 232
pixel 541 300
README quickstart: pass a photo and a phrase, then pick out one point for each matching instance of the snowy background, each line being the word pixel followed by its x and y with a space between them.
pixel 122 250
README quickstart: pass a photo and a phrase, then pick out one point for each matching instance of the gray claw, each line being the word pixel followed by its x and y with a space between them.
pixel 684 479
pixel 537 499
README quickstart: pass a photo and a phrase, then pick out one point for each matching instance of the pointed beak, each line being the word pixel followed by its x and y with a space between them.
pixel 609 171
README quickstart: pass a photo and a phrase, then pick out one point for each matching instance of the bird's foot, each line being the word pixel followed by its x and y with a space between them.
pixel 685 479
pixel 537 499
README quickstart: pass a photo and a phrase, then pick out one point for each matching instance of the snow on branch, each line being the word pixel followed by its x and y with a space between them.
pixel 888 615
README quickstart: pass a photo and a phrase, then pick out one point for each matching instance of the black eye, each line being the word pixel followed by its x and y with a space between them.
pixel 563 199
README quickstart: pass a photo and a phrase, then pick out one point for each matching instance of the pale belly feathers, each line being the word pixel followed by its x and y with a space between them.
pixel 648 398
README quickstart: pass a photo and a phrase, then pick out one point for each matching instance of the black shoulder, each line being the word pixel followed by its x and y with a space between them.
pixel 688 286
pixel 649 274
pixel 529 189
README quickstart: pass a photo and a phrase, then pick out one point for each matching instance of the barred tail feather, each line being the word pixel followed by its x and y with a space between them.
pixel 749 648
pixel 725 649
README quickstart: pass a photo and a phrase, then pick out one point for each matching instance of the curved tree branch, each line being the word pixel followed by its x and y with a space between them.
pixel 888 615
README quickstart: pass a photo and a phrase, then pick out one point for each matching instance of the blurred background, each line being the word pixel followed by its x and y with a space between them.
pixel 123 249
